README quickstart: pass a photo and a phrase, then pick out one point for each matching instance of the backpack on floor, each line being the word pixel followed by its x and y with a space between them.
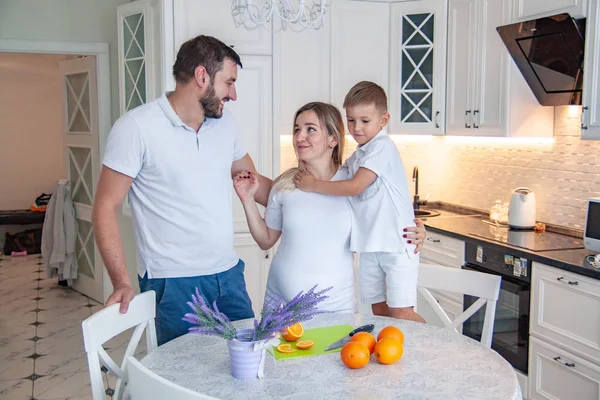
pixel 29 241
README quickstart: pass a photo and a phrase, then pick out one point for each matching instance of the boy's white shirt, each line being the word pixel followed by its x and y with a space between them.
pixel 384 209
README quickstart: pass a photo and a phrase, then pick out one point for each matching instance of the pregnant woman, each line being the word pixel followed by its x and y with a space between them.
pixel 314 228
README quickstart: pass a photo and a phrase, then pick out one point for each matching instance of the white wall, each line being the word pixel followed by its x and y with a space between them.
pixel 32 155
pixel 65 20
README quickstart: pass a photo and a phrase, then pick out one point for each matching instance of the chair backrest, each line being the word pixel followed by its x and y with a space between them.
pixel 108 323
pixel 477 284
pixel 144 384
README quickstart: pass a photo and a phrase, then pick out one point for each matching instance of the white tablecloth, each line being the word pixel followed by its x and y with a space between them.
pixel 437 364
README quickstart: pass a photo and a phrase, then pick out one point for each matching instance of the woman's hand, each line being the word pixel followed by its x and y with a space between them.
pixel 245 184
pixel 416 234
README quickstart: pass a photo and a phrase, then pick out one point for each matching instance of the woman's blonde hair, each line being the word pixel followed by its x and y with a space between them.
pixel 332 123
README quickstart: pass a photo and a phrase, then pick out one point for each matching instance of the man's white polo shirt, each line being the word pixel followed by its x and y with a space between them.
pixel 182 188
pixel 384 208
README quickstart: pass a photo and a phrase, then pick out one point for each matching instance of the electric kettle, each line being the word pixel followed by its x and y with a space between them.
pixel 521 210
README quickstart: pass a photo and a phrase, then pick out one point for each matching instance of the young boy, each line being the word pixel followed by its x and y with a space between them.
pixel 381 206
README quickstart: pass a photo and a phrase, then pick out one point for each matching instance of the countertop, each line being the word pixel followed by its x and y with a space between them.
pixel 462 226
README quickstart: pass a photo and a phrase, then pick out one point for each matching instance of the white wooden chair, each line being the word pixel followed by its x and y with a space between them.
pixel 478 284
pixel 144 384
pixel 108 323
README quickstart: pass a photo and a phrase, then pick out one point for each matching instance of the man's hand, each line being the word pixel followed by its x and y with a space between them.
pixel 246 185
pixel 419 235
pixel 121 294
pixel 305 181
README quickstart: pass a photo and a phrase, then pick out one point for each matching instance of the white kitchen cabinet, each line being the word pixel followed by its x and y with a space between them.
pixel 565 311
pixel 253 113
pixel 531 9
pixel 590 116
pixel 136 54
pixel 557 374
pixel 478 66
pixel 137 45
pixel 301 73
pixel 257 268
pixel 486 94
pixel 359 46
pixel 418 67
pixel 209 17
pixel 443 250
pixel 460 91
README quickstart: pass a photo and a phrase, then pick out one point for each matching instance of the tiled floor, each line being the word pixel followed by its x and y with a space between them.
pixel 41 344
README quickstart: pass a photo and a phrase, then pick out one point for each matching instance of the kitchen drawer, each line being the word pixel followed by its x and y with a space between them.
pixel 444 250
pixel 557 374
pixel 565 311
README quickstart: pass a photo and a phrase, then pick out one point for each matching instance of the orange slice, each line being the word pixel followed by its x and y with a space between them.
pixel 285 348
pixel 305 344
pixel 293 333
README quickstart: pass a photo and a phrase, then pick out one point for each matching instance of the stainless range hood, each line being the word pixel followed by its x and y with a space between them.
pixel 549 53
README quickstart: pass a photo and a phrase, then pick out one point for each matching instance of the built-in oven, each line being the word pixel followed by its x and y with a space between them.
pixel 511 323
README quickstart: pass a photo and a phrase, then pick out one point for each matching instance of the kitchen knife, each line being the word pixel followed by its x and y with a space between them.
pixel 346 339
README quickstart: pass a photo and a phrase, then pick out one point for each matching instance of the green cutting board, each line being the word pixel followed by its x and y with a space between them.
pixel 322 337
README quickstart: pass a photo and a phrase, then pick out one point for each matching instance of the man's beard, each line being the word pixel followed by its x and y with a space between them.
pixel 211 103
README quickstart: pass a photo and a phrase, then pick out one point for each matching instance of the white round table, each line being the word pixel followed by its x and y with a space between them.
pixel 437 364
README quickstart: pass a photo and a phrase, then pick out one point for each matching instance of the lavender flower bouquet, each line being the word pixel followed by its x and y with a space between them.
pixel 275 315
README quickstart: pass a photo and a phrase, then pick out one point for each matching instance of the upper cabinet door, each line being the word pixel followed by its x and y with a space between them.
pixel 417 93
pixel 359 45
pixel 489 107
pixel 590 116
pixel 136 55
pixel 210 17
pixel 301 70
pixel 531 9
pixel 462 28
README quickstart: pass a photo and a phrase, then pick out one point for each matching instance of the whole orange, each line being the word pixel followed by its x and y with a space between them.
pixel 388 350
pixel 391 331
pixel 365 338
pixel 355 355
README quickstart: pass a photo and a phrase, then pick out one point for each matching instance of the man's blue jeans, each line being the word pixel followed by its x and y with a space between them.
pixel 227 288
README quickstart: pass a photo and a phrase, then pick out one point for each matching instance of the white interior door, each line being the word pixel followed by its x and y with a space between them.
pixel 80 90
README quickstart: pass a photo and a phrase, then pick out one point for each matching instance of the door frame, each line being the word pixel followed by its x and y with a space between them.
pixel 100 50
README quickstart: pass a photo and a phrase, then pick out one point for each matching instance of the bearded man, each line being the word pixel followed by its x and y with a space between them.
pixel 176 157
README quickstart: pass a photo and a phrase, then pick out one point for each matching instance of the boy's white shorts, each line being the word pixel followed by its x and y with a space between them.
pixel 390 278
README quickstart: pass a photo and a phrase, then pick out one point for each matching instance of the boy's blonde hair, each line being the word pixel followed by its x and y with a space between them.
pixel 365 93
pixel 332 124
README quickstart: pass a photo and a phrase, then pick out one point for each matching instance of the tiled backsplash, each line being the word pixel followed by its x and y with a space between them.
pixel 474 172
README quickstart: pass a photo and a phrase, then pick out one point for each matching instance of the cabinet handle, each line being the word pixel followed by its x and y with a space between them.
pixel 433 240
pixel 561 279
pixel 467 118
pixel 570 365
pixel 476 118
pixel 437 115
pixel 583 110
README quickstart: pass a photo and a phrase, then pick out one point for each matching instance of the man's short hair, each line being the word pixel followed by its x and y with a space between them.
pixel 205 51
pixel 365 93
